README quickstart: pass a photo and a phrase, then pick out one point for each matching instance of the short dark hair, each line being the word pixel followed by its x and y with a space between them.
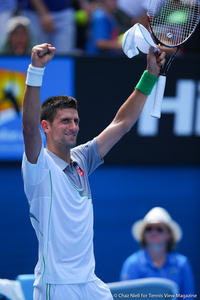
pixel 50 106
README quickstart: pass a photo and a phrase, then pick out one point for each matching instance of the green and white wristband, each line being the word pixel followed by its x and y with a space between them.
pixel 34 76
pixel 146 83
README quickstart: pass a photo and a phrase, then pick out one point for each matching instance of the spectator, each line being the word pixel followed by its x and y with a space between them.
pixel 18 40
pixel 7 10
pixel 103 30
pixel 158 235
pixel 84 10
pixel 52 22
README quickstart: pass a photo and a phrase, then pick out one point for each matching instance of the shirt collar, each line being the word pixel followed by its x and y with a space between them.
pixel 146 259
pixel 59 161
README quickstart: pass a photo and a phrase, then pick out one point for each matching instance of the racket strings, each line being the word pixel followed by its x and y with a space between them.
pixel 173 21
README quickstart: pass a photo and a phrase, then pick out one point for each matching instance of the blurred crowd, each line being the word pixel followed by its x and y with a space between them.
pixel 74 27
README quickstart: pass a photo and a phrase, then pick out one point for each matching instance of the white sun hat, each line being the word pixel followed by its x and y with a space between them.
pixel 155 216
pixel 16 21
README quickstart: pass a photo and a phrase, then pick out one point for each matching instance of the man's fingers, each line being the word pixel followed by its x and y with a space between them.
pixel 161 56
pixel 42 54
pixel 151 50
pixel 43 49
pixel 52 49
pixel 163 62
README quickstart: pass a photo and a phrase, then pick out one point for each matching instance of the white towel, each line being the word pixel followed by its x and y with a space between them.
pixel 137 37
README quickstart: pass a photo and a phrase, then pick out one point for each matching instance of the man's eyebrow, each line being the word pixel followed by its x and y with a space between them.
pixel 66 118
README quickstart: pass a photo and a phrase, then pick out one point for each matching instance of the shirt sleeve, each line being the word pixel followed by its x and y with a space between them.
pixel 34 173
pixel 87 156
pixel 187 284
pixel 130 269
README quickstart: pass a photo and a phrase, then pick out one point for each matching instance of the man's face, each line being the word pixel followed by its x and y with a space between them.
pixel 64 129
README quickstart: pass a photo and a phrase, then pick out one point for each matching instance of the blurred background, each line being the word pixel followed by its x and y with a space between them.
pixel 156 164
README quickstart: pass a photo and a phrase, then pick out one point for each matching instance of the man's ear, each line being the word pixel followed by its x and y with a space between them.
pixel 45 126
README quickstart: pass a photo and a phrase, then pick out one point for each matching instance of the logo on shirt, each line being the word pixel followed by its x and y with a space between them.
pixel 80 172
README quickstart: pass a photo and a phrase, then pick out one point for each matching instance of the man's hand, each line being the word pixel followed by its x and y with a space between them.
pixel 155 61
pixel 41 55
pixel 48 23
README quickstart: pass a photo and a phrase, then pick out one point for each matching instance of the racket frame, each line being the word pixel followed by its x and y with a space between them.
pixel 163 72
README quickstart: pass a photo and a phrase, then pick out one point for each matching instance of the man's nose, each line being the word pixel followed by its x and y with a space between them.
pixel 73 125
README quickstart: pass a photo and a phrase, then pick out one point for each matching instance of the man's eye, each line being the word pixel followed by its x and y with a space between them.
pixel 76 121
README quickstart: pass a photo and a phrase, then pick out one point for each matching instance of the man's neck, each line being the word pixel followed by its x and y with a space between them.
pixel 64 154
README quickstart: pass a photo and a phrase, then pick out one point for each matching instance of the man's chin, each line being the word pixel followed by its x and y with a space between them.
pixel 73 144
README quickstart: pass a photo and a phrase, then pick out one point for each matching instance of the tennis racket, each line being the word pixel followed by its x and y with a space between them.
pixel 171 24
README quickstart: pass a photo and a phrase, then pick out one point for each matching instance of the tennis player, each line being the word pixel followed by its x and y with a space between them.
pixel 56 180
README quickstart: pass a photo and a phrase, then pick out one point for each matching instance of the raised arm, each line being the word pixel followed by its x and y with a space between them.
pixel 129 112
pixel 40 56
pixel 46 18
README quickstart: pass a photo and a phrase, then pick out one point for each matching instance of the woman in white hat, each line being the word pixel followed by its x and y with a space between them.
pixel 158 234
pixel 18 40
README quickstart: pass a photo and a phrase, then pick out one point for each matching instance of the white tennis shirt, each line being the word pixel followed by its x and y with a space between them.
pixel 61 213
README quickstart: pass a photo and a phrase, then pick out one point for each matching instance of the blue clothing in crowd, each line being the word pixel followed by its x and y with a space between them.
pixel 102 27
pixel 61 15
pixel 176 268
pixel 53 5
pixel 7 10
pixel 7 5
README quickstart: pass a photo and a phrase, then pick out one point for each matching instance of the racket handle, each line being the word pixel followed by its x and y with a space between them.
pixel 156 112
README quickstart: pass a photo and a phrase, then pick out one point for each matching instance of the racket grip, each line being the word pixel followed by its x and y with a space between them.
pixel 156 111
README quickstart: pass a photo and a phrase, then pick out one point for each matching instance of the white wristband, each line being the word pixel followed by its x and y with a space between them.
pixel 34 76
